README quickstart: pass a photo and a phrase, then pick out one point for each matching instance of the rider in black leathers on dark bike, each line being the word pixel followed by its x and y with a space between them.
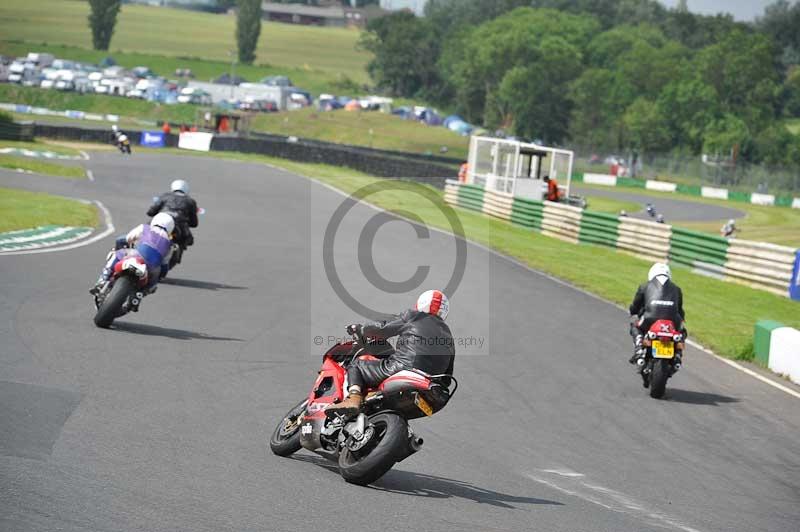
pixel 657 299
pixel 183 209
pixel 424 342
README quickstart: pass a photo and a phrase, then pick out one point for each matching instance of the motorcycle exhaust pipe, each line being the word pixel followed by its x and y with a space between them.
pixel 414 444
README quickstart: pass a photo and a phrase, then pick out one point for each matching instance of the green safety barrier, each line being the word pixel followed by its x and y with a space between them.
pixel 527 213
pixel 599 228
pixel 470 197
pixel 692 190
pixel 762 337
pixel 687 246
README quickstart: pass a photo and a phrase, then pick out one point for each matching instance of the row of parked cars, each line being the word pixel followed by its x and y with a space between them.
pixel 48 72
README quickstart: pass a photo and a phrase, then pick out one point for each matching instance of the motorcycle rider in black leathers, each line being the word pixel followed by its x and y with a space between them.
pixel 657 299
pixel 424 342
pixel 182 207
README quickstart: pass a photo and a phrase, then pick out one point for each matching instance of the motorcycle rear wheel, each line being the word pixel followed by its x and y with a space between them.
pixel 112 306
pixel 377 457
pixel 285 438
pixel 658 379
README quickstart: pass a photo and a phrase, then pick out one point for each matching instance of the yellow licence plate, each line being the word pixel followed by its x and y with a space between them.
pixel 423 405
pixel 663 350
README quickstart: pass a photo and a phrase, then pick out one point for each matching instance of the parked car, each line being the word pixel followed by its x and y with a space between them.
pixel 277 81
pixel 195 96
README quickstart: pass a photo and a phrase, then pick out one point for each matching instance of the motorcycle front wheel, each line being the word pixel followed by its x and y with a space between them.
pixel 112 306
pixel 285 438
pixel 658 378
pixel 365 462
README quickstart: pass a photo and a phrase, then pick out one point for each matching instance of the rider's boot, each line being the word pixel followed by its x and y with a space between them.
pixel 103 279
pixel 638 349
pixel 350 406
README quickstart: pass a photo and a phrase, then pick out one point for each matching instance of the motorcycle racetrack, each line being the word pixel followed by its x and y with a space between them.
pixel 162 422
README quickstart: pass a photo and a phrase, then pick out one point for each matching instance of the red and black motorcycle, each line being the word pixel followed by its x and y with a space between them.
pixel 664 346
pixel 367 446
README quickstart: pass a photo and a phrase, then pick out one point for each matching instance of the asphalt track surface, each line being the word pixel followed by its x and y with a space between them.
pixel 161 424
pixel 674 210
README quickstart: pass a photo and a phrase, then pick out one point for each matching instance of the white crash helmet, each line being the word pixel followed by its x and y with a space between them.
pixel 433 302
pixel 731 222
pixel 179 185
pixel 659 269
pixel 164 221
pixel 114 128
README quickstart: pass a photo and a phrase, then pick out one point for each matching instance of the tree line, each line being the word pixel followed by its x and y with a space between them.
pixel 606 74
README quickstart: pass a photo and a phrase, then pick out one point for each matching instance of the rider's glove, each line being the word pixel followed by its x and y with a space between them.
pixel 354 329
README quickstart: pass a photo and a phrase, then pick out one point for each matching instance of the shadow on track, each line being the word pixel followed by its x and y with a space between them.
pixel 176 334
pixel 431 486
pixel 206 285
pixel 697 398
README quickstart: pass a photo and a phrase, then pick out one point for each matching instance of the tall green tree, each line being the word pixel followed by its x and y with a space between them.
pixel 248 29
pixel 741 68
pixel 504 72
pixel 102 19
pixel 404 54
pixel 646 127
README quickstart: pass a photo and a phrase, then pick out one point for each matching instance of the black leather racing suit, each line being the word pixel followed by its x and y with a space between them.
pixel 654 301
pixel 424 342
pixel 183 209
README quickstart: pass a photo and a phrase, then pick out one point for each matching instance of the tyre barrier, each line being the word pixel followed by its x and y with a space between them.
pixel 756 264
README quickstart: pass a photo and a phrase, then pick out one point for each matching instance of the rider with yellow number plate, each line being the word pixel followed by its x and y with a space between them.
pixel 657 299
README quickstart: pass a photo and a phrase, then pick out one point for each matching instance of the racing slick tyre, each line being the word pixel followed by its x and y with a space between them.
pixel 658 379
pixel 112 306
pixel 285 438
pixel 384 440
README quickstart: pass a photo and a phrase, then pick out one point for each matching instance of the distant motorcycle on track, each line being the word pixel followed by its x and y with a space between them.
pixel 367 446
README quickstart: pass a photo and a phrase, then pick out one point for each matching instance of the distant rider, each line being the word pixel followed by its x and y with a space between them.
pixel 729 229
pixel 651 210
pixel 152 242
pixel 424 342
pixel 182 207
pixel 119 137
pixel 657 299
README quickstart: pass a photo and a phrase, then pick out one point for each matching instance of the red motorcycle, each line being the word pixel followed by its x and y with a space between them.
pixel 123 291
pixel 367 446
pixel 664 346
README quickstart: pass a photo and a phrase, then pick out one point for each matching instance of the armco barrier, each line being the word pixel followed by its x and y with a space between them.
pixel 759 265
pixel 527 213
pixel 644 239
pixel 691 190
pixel 90 134
pixel 16 131
pixel 599 228
pixel 766 266
pixel 562 221
pixel 705 254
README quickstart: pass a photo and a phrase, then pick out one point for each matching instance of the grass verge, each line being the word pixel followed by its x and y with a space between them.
pixel 39 166
pixel 40 146
pixel 778 225
pixel 25 210
pixel 720 315
pixel 611 205
pixel 95 103
pixel 372 129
